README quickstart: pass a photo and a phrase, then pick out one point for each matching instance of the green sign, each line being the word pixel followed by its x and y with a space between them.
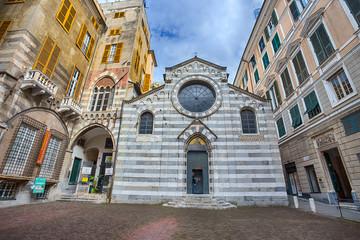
pixel 39 185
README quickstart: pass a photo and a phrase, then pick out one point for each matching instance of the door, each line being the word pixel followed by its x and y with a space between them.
pixel 292 183
pixel 102 179
pixel 75 171
pixel 338 175
pixel 197 163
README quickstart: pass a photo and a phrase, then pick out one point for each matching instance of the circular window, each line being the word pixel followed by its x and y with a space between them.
pixel 196 97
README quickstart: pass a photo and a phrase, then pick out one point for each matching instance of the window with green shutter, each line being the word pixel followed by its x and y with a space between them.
pixel 312 105
pixel 266 61
pixel 286 80
pixel 281 127
pixel 295 117
pixel 273 94
pixel 300 67
pixel 261 44
pixel 267 35
pixel 276 42
pixel 294 11
pixel 352 123
pixel 253 61
pixel 321 43
pixel 245 80
pixel 354 7
pixel 256 76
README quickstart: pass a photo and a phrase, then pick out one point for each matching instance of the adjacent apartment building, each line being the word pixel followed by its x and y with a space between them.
pixel 304 55
pixel 63 64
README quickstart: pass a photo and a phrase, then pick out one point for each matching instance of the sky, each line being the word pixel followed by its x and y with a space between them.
pixel 217 30
pixel 214 30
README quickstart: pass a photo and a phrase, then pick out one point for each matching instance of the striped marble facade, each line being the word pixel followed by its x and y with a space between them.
pixel 243 168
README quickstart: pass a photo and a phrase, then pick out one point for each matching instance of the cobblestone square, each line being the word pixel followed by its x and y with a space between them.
pixel 60 220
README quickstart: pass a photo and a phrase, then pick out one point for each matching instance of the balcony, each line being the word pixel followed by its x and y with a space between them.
pixel 70 108
pixel 38 84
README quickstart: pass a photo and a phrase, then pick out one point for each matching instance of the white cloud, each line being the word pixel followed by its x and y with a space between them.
pixel 217 30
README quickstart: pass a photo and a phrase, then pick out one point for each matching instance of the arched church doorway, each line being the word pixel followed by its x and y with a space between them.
pixel 92 161
pixel 197 167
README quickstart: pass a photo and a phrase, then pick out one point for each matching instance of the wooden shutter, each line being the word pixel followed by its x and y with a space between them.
pixel 112 32
pixel 78 87
pixel 117 31
pixel 61 16
pixel 277 93
pixel 4 26
pixel 146 85
pixel 81 37
pixel 72 74
pixel 118 50
pixel 117 15
pixel 106 53
pixel 90 48
pixel 48 57
pixel 70 19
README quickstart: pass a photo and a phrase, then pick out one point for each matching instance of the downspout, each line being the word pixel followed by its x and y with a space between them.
pixel 116 151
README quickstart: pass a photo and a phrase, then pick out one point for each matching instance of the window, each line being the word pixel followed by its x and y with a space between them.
pixel 4 26
pixel 146 123
pixel 66 15
pixel 85 42
pixel 248 121
pixel 137 61
pixel 271 25
pixel 51 155
pixel 321 43
pixel 8 190
pixel 93 21
pixel 341 85
pixel 147 82
pixel 256 76
pixel 115 31
pixel 286 80
pixel 280 127
pixel 354 7
pixel 119 15
pixel 312 105
pixel 48 57
pixel 245 80
pixel 276 42
pixel 300 67
pixel 253 61
pixel 102 99
pixel 304 3
pixel 295 116
pixel 352 123
pixel 20 151
pixel 261 44
pixel 112 53
pixel 314 186
pixel 266 61
pixel 15 1
pixel 73 89
pixel 274 95
pixel 294 10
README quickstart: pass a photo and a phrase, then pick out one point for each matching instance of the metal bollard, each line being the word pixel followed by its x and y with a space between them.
pixel 296 201
pixel 312 205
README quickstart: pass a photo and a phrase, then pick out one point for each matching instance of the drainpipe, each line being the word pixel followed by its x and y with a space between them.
pixel 116 151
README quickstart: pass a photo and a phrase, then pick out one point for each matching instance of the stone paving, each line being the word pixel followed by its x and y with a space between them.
pixel 60 220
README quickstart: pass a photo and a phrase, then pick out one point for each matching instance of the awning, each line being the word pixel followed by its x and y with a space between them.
pixel 312 107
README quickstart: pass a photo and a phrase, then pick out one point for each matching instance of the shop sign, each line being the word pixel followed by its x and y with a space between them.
pixel 39 185
pixel 85 179
pixel 86 170
pixel 43 148
pixel 108 171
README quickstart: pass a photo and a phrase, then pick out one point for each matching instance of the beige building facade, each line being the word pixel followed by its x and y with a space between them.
pixel 304 56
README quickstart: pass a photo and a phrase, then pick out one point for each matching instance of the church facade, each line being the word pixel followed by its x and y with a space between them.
pixel 197 126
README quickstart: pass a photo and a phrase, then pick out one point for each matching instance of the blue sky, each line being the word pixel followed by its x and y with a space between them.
pixel 217 30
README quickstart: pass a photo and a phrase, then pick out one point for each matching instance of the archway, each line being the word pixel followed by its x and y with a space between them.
pixel 197 165
pixel 92 164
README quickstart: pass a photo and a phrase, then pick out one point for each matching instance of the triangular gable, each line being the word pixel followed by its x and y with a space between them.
pixel 146 94
pixel 311 21
pixel 280 64
pixel 194 59
pixel 197 126
pixel 269 80
pixel 292 47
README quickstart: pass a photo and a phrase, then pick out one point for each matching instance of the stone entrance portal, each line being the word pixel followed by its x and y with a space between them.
pixel 197 163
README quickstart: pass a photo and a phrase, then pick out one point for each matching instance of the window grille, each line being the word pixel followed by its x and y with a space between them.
pixel 51 155
pixel 248 121
pixel 43 195
pixel 146 123
pixel 8 190
pixel 19 154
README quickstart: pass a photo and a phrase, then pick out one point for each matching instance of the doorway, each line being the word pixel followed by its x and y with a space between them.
pixel 197 163
pixel 291 178
pixel 75 171
pixel 338 175
pixel 104 180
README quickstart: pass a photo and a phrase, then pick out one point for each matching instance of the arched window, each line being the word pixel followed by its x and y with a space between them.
pixel 146 123
pixel 248 121
pixel 102 99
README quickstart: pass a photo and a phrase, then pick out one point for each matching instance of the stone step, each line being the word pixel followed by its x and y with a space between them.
pixel 202 202
pixel 81 198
